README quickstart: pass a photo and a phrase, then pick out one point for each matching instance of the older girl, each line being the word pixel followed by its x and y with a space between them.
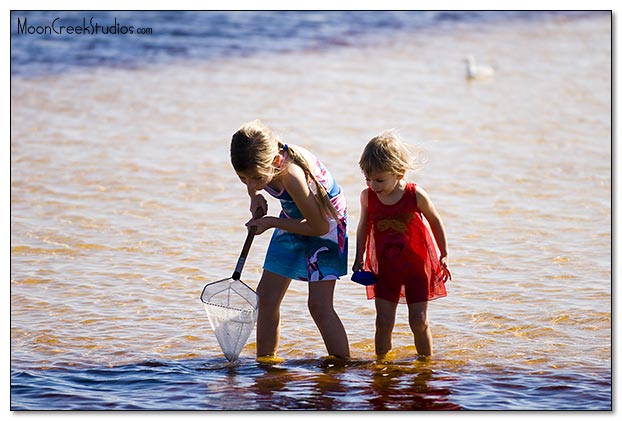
pixel 309 242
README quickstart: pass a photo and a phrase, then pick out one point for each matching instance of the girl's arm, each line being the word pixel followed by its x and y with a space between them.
pixel 361 234
pixel 314 222
pixel 426 207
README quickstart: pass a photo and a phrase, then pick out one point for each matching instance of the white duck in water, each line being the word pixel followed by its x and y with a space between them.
pixel 477 71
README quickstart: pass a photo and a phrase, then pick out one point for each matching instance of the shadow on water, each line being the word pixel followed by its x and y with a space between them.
pixel 215 384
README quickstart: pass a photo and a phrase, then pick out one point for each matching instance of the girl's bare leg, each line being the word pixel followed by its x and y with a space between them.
pixel 328 322
pixel 271 290
pixel 419 324
pixel 385 320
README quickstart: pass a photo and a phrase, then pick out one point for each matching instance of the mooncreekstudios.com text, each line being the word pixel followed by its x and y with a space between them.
pixel 88 27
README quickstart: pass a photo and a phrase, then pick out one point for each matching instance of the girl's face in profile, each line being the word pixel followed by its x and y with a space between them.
pixel 257 180
pixel 254 179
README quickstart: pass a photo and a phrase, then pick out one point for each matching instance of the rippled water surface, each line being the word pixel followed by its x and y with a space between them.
pixel 124 205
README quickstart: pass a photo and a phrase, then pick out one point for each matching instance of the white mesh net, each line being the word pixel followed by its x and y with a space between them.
pixel 231 307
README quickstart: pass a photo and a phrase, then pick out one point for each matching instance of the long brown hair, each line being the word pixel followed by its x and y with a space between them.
pixel 254 146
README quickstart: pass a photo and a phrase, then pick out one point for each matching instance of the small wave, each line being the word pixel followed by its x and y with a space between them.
pixel 41 250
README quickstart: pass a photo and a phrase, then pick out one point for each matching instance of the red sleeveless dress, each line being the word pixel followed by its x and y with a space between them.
pixel 401 251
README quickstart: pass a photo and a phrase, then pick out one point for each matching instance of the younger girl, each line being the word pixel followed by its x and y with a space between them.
pixel 309 242
pixel 396 243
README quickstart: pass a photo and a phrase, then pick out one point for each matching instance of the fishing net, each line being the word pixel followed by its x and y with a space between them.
pixel 231 308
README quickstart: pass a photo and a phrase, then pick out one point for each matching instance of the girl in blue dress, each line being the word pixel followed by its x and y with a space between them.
pixel 309 242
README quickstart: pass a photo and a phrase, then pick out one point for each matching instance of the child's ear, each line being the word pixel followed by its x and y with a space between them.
pixel 400 175
pixel 278 159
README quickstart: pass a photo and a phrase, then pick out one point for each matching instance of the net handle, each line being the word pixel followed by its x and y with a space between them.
pixel 247 246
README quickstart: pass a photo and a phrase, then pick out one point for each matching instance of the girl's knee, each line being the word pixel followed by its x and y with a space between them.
pixel 320 301
pixel 271 289
pixel 384 320
pixel 319 309
pixel 418 316
pixel 265 296
pixel 419 321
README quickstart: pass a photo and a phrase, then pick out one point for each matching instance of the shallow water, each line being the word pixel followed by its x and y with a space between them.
pixel 124 204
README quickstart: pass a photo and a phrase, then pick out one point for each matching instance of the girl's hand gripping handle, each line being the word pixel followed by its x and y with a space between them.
pixel 247 246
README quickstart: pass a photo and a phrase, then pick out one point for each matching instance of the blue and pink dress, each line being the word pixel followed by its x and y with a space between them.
pixel 304 257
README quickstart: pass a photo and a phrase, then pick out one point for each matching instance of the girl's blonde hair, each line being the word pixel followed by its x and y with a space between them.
pixel 254 146
pixel 387 153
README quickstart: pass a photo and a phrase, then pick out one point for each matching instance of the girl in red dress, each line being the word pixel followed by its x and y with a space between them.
pixel 394 243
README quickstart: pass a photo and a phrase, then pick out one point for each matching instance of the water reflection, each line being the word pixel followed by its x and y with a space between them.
pixel 352 385
pixel 271 388
pixel 301 384
pixel 408 386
